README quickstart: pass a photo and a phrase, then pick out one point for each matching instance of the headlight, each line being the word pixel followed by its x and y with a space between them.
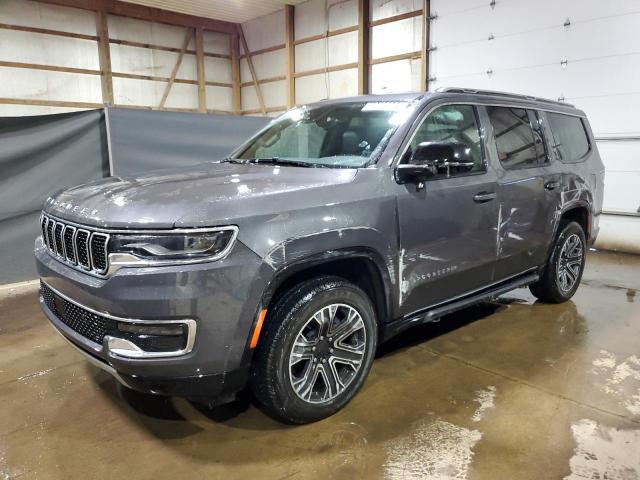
pixel 196 246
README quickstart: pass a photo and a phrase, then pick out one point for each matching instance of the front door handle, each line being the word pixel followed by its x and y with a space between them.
pixel 483 197
pixel 551 185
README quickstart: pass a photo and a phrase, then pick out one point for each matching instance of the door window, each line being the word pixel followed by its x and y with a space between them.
pixel 570 140
pixel 457 126
pixel 517 144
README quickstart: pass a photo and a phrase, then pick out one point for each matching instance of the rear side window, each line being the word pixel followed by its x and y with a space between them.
pixel 569 137
pixel 518 145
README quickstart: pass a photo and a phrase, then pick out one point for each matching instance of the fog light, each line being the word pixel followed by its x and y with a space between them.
pixel 142 329
pixel 140 340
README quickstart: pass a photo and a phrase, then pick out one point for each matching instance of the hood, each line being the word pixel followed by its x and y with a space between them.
pixel 205 195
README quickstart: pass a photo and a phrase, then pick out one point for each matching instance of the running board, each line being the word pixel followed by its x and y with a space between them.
pixel 435 313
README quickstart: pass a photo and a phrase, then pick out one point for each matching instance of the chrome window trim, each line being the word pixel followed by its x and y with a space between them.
pixel 444 101
pixel 189 322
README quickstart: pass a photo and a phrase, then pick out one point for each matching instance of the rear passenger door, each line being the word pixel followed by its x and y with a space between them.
pixel 528 189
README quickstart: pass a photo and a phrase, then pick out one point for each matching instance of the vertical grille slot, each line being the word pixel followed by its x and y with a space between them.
pixel 43 224
pixel 76 246
pixel 50 243
pixel 82 247
pixel 99 251
pixel 57 236
pixel 69 248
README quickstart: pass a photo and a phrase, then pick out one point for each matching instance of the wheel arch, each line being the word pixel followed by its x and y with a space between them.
pixel 360 265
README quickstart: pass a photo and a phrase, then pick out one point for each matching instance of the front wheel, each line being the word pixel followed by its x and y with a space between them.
pixel 563 272
pixel 316 350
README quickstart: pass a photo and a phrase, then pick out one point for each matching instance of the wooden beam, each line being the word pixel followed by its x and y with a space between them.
pixel 243 42
pixel 363 47
pixel 333 68
pixel 280 108
pixel 332 33
pixel 395 18
pixel 424 71
pixel 48 103
pixel 265 80
pixel 395 58
pixel 235 73
pixel 152 14
pixel 264 50
pixel 202 87
pixel 176 67
pixel 50 68
pixel 104 53
pixel 47 31
pixel 289 19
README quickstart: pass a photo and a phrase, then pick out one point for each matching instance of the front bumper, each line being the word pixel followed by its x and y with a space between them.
pixel 221 298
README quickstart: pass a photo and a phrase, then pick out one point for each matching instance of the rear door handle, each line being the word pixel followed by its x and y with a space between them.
pixel 551 185
pixel 483 197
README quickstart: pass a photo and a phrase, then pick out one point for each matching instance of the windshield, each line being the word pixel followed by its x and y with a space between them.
pixel 347 135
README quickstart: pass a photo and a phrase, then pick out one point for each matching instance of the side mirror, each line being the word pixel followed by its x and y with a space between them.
pixel 435 158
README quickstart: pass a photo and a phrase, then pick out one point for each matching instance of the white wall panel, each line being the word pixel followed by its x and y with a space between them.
pixel 397 37
pixel 311 55
pixel 312 88
pixel 34 14
pixel 219 98
pixel 394 77
pixel 273 93
pixel 342 14
pixel 149 93
pixel 144 61
pixel 310 19
pixel 386 8
pixel 343 49
pixel 123 28
pixel 214 42
pixel 41 85
pixel 27 47
pixel 264 32
pixel 343 83
pixel 217 69
pixel 266 65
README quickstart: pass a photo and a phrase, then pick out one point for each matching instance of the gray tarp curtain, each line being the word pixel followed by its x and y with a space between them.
pixel 43 154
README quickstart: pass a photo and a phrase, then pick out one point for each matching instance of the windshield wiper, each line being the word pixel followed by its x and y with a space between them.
pixel 286 161
pixel 232 160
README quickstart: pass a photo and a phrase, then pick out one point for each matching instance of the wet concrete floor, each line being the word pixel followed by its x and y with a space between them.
pixel 507 390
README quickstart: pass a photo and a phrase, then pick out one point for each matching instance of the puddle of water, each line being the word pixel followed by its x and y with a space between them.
pixel 621 379
pixel 604 452
pixel 486 400
pixel 437 450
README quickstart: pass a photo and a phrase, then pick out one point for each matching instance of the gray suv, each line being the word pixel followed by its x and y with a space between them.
pixel 339 225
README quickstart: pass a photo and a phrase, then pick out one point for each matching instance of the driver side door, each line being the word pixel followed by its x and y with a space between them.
pixel 447 223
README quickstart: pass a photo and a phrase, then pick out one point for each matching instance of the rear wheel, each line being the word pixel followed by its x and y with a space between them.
pixel 563 272
pixel 316 350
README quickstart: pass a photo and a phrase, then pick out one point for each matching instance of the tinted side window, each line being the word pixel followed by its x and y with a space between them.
pixel 455 124
pixel 570 140
pixel 515 139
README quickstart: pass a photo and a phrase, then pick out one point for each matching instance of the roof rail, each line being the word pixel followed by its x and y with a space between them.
pixel 501 94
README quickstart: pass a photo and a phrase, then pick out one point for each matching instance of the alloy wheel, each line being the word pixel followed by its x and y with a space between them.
pixel 327 353
pixel 569 263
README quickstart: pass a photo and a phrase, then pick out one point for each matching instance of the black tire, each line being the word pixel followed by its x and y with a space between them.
pixel 550 286
pixel 294 314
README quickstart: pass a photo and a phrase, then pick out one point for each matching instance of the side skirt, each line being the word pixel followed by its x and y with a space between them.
pixel 433 314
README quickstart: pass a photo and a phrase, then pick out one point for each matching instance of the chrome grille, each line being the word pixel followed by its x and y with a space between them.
pixel 81 248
